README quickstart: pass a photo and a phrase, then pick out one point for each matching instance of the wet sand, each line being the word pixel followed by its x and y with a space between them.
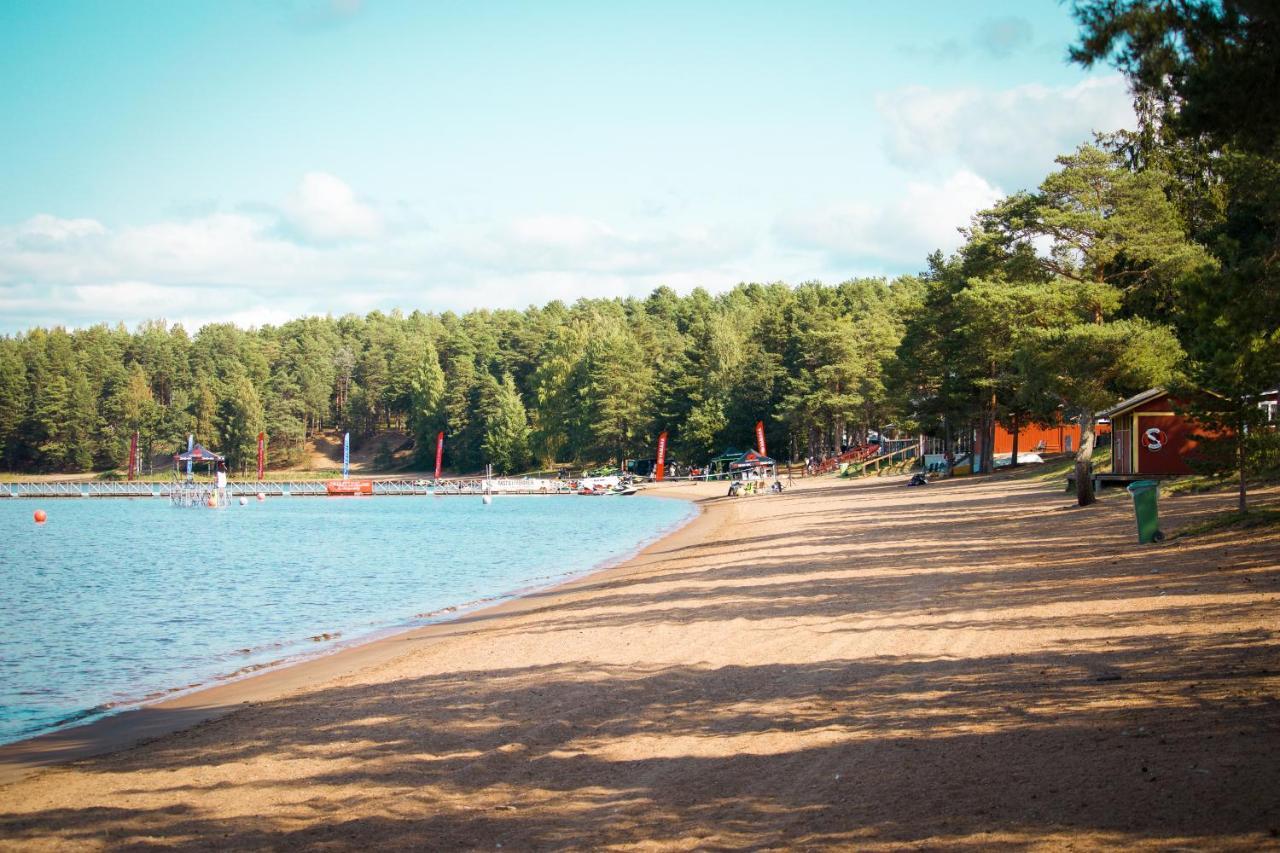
pixel 974 664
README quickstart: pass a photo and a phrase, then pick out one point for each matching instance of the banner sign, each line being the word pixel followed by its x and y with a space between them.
pixel 660 470
pixel 133 455
pixel 262 453
pixel 760 438
pixel 439 452
pixel 346 454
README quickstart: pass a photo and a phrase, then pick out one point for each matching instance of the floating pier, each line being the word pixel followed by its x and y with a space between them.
pixel 284 488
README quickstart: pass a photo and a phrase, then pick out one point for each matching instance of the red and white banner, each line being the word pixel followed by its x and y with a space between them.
pixel 262 454
pixel 133 455
pixel 439 452
pixel 760 438
pixel 660 470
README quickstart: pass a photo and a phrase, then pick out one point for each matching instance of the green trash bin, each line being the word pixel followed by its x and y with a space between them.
pixel 1146 494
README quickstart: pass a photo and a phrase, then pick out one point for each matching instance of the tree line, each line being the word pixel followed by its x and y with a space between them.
pixel 592 381
pixel 1148 257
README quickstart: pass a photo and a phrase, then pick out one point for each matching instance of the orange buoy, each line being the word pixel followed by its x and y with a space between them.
pixel 39 516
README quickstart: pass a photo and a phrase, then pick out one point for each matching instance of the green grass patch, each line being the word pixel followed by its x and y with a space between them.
pixel 1059 468
pixel 1252 519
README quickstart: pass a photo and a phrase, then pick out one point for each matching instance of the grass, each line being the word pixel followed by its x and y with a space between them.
pixel 1254 518
pixel 1060 468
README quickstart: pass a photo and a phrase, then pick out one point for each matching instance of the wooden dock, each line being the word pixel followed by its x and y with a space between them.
pixel 285 488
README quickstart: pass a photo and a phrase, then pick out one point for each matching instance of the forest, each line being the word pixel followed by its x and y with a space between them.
pixel 1147 257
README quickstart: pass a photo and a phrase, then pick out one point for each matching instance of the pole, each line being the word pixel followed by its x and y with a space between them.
pixel 262 454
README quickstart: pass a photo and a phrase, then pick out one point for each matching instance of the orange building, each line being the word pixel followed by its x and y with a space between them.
pixel 1064 438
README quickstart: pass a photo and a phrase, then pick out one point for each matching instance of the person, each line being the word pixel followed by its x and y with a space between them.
pixel 222 475
pixel 734 487
pixel 777 487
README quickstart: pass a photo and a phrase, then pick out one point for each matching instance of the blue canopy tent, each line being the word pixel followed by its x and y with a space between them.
pixel 751 460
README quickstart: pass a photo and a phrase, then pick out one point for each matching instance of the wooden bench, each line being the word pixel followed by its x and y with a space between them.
pixel 1101 481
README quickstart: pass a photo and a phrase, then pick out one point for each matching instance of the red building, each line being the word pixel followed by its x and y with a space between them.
pixel 1148 437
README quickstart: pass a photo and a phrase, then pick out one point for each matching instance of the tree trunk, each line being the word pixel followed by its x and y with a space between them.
pixel 1013 456
pixel 989 438
pixel 1240 462
pixel 1084 462
pixel 947 447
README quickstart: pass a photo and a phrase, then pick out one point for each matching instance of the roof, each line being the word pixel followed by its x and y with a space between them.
pixel 1125 406
pixel 199 453
pixel 751 459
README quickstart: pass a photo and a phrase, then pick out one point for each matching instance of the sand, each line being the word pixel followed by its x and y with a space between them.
pixel 971 665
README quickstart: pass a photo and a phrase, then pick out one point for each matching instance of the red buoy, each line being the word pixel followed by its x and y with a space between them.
pixel 39 516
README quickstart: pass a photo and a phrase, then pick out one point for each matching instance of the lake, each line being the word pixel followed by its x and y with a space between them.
pixel 114 602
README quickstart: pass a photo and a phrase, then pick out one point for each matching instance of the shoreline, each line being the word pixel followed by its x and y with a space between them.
pixel 185 707
pixel 848 665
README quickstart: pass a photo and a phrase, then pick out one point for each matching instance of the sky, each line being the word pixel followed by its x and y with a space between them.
pixel 257 160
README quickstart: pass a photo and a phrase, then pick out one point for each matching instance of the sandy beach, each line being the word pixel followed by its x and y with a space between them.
pixel 972 665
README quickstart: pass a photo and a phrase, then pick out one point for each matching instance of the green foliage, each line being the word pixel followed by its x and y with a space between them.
pixel 1205 81
pixel 506 426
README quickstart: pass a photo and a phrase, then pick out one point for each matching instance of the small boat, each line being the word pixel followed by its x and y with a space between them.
pixel 348 488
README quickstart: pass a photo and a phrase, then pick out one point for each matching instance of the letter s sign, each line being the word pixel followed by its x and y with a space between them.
pixel 1154 438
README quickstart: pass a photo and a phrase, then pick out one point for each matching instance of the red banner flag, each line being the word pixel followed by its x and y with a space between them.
pixel 133 455
pixel 439 452
pixel 262 454
pixel 660 470
pixel 760 438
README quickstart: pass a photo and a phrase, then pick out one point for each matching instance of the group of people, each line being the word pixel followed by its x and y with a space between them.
pixel 753 487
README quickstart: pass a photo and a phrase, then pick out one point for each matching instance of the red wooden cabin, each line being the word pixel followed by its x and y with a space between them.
pixel 1148 437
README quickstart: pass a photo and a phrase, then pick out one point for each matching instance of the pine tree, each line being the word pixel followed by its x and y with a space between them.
pixel 506 426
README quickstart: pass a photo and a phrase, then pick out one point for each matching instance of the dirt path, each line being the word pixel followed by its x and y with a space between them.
pixel 972 665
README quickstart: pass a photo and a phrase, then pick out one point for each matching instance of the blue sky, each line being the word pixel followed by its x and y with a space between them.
pixel 253 161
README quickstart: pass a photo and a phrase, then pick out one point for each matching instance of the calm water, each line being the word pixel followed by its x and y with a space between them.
pixel 116 601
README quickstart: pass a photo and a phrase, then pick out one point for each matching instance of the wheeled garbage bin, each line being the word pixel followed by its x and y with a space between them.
pixel 1146 494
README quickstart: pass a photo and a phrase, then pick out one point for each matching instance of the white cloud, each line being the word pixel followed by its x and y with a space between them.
pixel 264 266
pixel 325 209
pixel 44 228
pixel 924 217
pixel 1008 137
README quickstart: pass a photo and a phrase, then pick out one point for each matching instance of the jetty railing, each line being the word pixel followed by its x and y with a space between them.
pixel 283 488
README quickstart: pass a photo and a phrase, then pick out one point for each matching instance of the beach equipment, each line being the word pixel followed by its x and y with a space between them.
pixel 262 496
pixel 1146 510
pixel 39 516
pixel 244 501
